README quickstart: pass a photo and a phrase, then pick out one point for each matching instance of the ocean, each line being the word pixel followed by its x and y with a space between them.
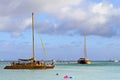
pixel 94 71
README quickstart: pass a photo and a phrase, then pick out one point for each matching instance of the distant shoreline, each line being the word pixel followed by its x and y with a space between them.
pixel 65 60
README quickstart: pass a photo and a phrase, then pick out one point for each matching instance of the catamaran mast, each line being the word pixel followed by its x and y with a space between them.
pixel 33 51
pixel 85 52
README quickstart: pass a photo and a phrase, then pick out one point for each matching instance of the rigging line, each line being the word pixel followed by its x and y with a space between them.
pixel 44 49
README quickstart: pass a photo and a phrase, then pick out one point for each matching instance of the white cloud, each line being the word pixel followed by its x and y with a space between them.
pixel 78 15
pixel 54 5
pixel 102 8
pixel 3 22
pixel 26 23
pixel 7 25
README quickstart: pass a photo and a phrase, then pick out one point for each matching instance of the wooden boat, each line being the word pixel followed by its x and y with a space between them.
pixel 84 60
pixel 31 63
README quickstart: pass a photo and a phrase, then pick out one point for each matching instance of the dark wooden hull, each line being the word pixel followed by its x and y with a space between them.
pixel 29 67
pixel 83 61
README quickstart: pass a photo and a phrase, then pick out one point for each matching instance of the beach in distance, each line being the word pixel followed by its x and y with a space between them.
pixel 95 71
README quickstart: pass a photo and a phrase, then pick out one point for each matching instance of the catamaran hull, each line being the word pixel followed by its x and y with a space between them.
pixel 29 67
pixel 83 61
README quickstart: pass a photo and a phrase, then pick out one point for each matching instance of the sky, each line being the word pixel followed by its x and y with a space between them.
pixel 61 24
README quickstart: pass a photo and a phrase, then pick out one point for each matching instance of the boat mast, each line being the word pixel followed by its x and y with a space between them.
pixel 85 52
pixel 33 51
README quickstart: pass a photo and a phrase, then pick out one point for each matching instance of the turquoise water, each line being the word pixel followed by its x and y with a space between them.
pixel 95 71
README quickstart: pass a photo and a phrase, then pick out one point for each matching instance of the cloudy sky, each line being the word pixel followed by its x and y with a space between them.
pixel 61 24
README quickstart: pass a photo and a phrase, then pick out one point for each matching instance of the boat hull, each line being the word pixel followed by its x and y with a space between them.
pixel 29 67
pixel 83 61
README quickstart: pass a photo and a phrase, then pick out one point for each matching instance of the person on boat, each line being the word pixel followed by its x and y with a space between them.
pixel 52 62
pixel 37 63
pixel 13 63
pixel 42 62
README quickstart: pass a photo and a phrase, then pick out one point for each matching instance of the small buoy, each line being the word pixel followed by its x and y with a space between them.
pixel 56 73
